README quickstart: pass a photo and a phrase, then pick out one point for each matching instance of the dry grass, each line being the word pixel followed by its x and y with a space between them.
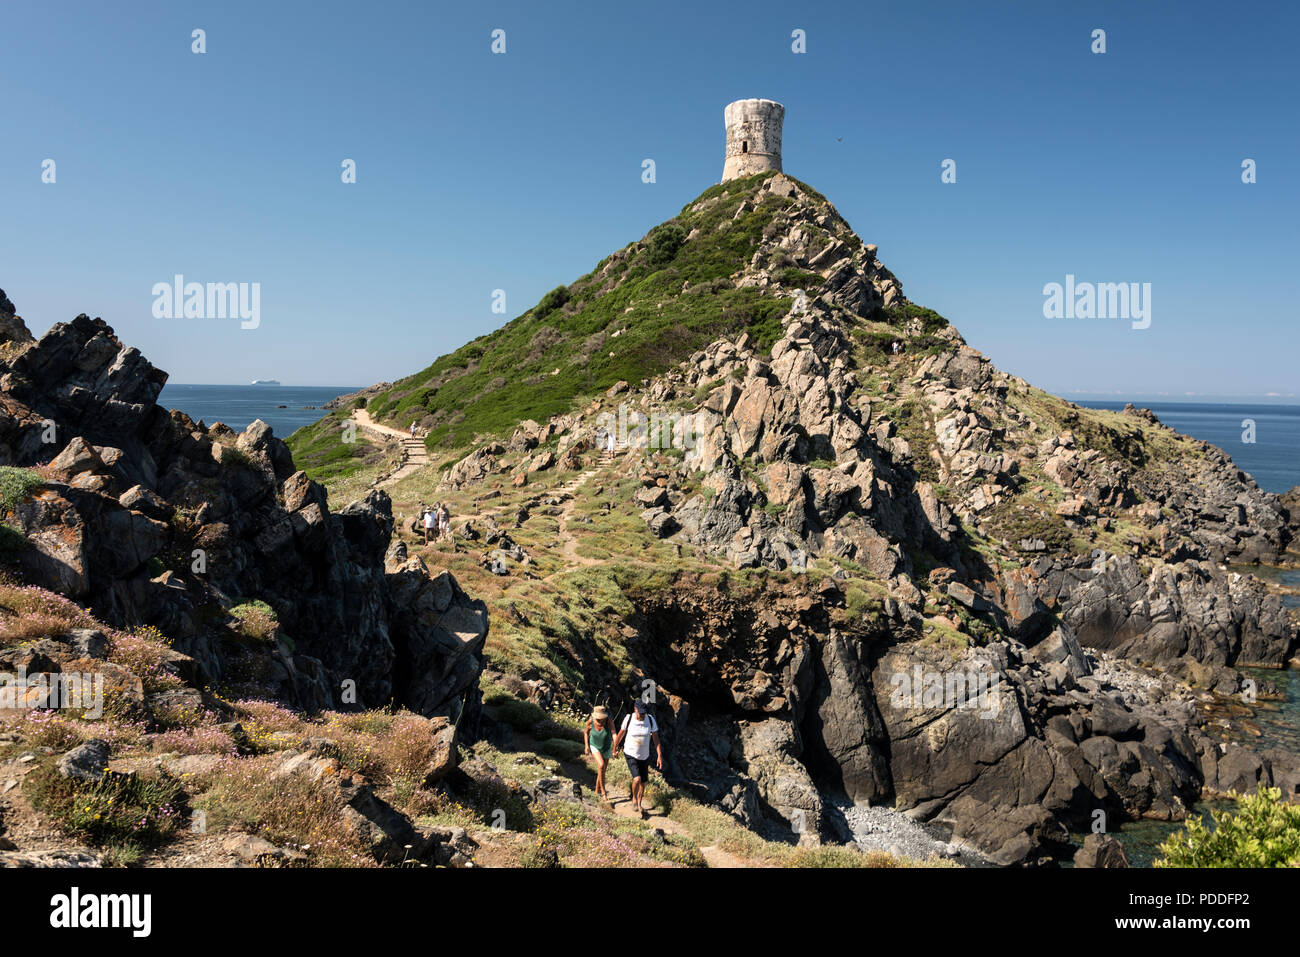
pixel 287 810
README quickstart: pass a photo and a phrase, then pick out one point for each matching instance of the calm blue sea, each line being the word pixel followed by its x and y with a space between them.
pixel 238 405
pixel 1273 460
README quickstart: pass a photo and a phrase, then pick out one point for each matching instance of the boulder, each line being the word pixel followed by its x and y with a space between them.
pixel 1101 850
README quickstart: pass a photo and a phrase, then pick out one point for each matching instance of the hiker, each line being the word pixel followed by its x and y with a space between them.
pixel 429 527
pixel 597 739
pixel 610 439
pixel 640 729
pixel 444 521
pixel 412 430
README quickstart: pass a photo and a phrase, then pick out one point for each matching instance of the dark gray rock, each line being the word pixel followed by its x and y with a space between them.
pixel 85 763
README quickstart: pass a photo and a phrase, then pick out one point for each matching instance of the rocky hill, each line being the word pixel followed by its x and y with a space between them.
pixel 890 603
pixel 862 497
pixel 203 664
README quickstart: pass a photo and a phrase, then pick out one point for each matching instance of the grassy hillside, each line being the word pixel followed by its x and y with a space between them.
pixel 319 449
pixel 639 312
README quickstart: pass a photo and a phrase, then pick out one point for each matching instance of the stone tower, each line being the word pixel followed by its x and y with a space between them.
pixel 753 137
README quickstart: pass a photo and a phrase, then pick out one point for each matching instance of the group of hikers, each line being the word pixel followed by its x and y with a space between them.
pixel 436 521
pixel 638 731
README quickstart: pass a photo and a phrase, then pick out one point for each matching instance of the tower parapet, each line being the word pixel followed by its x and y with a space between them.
pixel 753 137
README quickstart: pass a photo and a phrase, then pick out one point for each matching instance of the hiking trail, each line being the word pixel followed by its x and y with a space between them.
pixel 569 542
pixel 713 856
pixel 414 454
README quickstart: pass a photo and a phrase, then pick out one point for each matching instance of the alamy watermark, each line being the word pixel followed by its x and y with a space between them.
pixel 70 690
pixel 1102 300
pixel 212 300
pixel 635 429
pixel 974 690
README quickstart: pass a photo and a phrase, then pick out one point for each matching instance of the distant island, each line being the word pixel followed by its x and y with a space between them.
pixel 266 382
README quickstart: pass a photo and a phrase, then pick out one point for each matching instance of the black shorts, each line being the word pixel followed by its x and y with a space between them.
pixel 638 767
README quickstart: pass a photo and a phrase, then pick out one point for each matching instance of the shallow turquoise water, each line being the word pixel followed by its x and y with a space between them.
pixel 1279 725
pixel 1141 839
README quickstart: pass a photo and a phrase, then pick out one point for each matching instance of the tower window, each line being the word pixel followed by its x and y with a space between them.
pixel 744 146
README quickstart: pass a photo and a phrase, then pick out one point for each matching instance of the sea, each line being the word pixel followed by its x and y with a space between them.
pixel 285 408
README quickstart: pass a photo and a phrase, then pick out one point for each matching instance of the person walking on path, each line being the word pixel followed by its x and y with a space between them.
pixel 429 525
pixel 444 521
pixel 640 730
pixel 598 740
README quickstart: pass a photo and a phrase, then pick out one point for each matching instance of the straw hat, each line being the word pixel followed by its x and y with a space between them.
pixel 599 712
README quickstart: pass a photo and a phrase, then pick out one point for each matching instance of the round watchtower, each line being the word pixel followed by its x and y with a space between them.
pixel 753 137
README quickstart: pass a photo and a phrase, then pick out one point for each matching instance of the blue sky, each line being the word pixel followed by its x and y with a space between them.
pixel 520 171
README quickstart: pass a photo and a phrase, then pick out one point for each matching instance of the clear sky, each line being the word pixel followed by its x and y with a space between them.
pixel 520 171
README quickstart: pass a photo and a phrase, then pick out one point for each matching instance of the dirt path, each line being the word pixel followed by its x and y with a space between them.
pixel 414 455
pixel 713 856
pixel 569 543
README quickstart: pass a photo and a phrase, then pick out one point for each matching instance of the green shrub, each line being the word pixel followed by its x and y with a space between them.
pixel 126 813
pixel 256 620
pixel 561 748
pixel 553 300
pixel 665 241
pixel 519 714
pixel 1262 832
pixel 16 485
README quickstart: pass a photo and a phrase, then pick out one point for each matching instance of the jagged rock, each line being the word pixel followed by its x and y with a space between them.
pixel 138 482
pixel 12 328
pixel 1190 608
pixel 1062 646
pixel 768 751
pixel 662 524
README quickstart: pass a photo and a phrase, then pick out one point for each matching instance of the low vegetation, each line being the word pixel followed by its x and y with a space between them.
pixel 1263 831
pixel 124 814
pixel 639 312
pixel 322 450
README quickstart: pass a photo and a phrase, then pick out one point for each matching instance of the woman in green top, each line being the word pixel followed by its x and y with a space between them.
pixel 598 741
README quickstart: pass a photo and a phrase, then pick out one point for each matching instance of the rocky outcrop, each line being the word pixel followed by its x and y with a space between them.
pixel 149 517
pixel 1190 608
pixel 13 331
pixel 1003 749
pixel 794 459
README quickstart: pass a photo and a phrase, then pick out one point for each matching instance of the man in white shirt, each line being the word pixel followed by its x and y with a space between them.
pixel 640 729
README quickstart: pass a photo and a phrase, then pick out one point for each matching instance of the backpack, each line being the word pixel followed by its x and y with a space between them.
pixel 627 725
